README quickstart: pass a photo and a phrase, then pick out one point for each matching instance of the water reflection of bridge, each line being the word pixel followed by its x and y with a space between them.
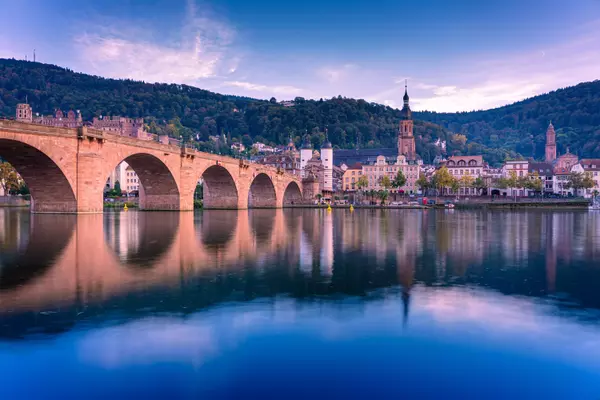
pixel 49 261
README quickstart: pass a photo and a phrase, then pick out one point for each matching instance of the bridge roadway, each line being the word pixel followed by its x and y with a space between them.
pixel 66 171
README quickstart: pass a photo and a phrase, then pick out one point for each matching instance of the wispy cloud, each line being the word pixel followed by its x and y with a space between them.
pixel 335 74
pixel 493 83
pixel 265 89
pixel 202 50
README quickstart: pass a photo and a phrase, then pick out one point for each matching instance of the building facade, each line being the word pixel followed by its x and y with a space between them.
pixel 351 177
pixel 127 178
pixel 544 172
pixel 460 166
pixel 590 166
pixel 130 127
pixel 383 167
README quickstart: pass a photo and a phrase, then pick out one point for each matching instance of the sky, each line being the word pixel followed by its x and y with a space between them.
pixel 457 55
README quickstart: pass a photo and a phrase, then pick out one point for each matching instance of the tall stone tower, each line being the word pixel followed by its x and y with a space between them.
pixel 550 144
pixel 305 155
pixel 406 140
pixel 24 113
pixel 327 161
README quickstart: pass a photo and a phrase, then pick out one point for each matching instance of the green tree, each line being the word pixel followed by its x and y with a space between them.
pixel 479 184
pixel 362 184
pixel 399 180
pixel 385 182
pixel 199 192
pixel 423 183
pixel 443 179
pixel 534 183
pixel 117 189
pixel 513 182
pixel 9 179
pixel 455 185
pixel 466 181
pixel 383 195
pixel 579 181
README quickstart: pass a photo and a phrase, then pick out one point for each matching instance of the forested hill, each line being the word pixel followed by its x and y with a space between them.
pixel 521 127
pixel 189 111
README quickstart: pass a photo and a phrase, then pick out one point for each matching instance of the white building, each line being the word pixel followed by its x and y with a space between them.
pixel 465 165
pixel 263 148
pixel 325 158
pixel 127 178
pixel 590 166
pixel 238 147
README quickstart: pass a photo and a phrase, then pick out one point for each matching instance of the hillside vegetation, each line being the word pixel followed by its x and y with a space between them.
pixel 191 112
pixel 521 127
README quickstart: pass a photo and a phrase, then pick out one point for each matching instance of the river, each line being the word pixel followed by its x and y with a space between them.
pixel 300 304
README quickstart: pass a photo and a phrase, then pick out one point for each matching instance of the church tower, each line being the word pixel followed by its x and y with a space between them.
pixel 550 144
pixel 406 140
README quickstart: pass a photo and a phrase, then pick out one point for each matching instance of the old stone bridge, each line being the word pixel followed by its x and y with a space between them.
pixel 67 169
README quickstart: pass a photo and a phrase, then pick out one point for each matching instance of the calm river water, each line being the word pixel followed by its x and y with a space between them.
pixel 300 304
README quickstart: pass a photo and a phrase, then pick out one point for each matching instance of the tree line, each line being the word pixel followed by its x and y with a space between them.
pixel 214 121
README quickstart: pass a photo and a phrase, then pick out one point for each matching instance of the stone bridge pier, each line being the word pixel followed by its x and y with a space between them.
pixel 67 169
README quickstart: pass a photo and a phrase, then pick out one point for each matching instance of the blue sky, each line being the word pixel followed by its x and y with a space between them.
pixel 457 55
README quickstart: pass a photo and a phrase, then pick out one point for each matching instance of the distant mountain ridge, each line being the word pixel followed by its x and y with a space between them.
pixel 521 127
pixel 506 132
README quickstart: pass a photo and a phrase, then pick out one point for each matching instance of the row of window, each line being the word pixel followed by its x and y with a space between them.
pixel 465 171
pixel 462 163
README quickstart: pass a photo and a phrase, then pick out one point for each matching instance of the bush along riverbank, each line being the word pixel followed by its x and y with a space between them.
pixel 119 205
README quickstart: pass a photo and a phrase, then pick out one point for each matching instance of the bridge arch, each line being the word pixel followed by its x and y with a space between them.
pixel 292 194
pixel 216 229
pixel 158 188
pixel 219 188
pixel 262 192
pixel 47 237
pixel 139 240
pixel 50 188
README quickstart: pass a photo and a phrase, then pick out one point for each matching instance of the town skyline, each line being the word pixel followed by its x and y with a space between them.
pixel 497 57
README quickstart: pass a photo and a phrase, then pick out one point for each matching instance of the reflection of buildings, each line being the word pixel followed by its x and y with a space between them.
pixel 122 233
pixel 14 230
pixel 212 257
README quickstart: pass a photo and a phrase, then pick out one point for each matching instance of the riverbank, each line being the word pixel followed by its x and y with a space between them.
pixel 546 204
pixel 13 201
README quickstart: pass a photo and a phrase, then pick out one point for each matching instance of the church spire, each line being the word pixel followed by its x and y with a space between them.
pixel 550 143
pixel 406 93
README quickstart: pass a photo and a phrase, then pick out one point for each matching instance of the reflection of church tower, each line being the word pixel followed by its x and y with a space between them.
pixel 550 144
pixel 327 246
pixel 406 140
